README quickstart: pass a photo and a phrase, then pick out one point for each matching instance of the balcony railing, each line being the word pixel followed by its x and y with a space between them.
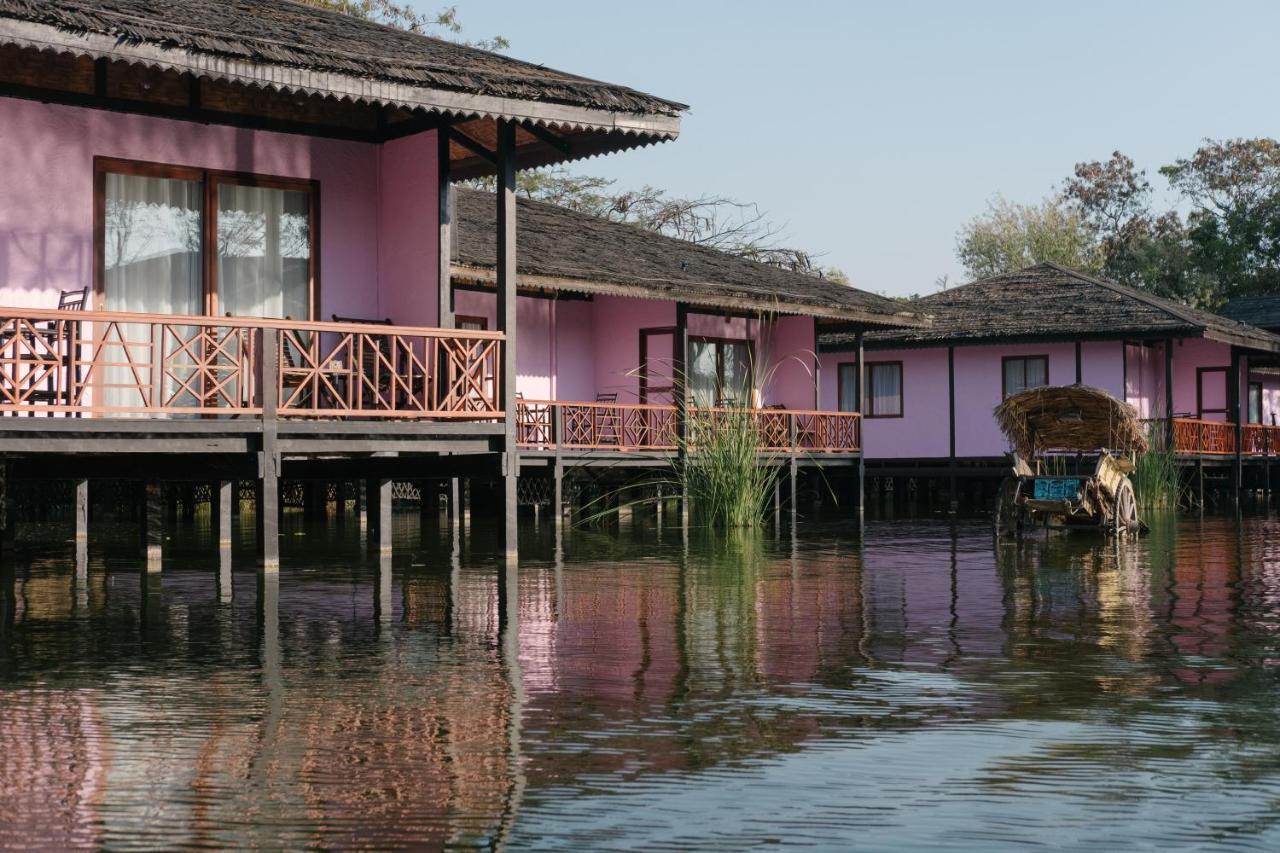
pixel 96 364
pixel 1218 438
pixel 548 424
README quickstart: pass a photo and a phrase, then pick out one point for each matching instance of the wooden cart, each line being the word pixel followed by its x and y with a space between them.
pixel 1074 448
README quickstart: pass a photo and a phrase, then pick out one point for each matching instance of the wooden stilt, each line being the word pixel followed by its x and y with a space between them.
pixel 455 501
pixel 507 322
pixel 268 517
pixel 372 521
pixel 153 521
pixel 384 516
pixel 82 510
pixel 557 497
pixel 382 604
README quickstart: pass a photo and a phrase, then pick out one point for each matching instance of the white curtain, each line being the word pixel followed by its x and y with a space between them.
pixel 886 389
pixel 151 264
pixel 848 396
pixel 264 251
pixel 1037 372
pixel 736 382
pixel 702 373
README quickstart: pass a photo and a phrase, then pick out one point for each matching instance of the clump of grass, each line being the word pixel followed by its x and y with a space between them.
pixel 1157 484
pixel 722 475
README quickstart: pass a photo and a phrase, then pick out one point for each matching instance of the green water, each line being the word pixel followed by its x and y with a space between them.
pixel 926 691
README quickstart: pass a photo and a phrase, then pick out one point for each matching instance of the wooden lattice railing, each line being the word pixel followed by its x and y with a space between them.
pixel 1196 437
pixel 88 363
pixel 549 424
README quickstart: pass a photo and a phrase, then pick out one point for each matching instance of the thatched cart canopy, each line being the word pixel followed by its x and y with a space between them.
pixel 1069 417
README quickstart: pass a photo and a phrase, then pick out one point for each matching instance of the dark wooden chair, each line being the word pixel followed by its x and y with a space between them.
pixel 369 360
pixel 61 341
pixel 608 420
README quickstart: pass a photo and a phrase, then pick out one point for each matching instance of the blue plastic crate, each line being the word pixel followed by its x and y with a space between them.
pixel 1057 488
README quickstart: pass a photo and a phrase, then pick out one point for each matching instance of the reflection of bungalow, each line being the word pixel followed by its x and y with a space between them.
pixel 930 392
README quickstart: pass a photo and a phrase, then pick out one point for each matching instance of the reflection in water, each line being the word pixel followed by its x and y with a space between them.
pixel 931 689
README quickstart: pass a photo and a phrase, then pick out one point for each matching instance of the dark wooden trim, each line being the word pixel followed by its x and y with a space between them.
pixel 473 146
pixel 445 236
pixel 679 373
pixel 1079 364
pixel 459 319
pixel 1004 385
pixel 1201 411
pixel 645 334
pixel 543 135
pixel 951 404
pixel 869 406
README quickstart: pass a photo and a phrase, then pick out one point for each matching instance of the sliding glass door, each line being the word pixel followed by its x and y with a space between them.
pixel 264 251
pixel 720 372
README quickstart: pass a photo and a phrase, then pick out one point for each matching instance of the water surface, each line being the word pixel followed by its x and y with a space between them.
pixel 928 690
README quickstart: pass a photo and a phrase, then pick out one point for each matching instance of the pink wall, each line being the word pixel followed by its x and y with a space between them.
pixel 924 432
pixel 46 219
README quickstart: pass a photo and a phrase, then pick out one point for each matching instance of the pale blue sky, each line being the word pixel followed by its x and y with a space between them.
pixel 874 130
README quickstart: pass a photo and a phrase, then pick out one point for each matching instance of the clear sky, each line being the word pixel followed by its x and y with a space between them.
pixel 872 131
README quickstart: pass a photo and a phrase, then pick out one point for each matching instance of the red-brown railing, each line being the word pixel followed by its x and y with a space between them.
pixel 1218 438
pixel 549 424
pixel 91 363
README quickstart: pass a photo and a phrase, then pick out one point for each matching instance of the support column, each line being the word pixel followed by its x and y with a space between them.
pixel 680 393
pixel 862 451
pixel 1079 364
pixel 557 497
pixel 153 525
pixel 506 299
pixel 372 521
pixel 82 511
pixel 268 514
pixel 1168 392
pixel 953 502
pixel 384 516
pixel 222 503
pixel 1240 405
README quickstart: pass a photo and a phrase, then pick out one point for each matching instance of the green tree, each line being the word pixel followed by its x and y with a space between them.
pixel 1010 236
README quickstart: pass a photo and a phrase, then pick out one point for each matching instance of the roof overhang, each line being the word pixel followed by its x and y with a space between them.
pixel 561 132
pixel 487 277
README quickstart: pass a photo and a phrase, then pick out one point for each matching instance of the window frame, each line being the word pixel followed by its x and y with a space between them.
pixel 1225 411
pixel 209 179
pixel 482 322
pixel 1004 374
pixel 719 343
pixel 868 407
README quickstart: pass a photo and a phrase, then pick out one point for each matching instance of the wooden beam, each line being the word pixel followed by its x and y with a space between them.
pixel 543 135
pixel 480 151
pixel 862 436
pixel 1079 364
pixel 1168 390
pixel 507 323
pixel 444 244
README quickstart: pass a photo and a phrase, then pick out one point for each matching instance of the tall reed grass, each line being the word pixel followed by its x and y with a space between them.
pixel 1157 484
pixel 727 485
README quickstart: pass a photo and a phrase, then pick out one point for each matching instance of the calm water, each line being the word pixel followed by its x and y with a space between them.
pixel 928 691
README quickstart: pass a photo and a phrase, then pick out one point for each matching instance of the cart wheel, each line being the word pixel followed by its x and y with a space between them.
pixel 1008 521
pixel 1125 512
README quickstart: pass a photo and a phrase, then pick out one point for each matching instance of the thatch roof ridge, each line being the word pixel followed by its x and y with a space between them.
pixel 289 33
pixel 1047 301
pixel 569 250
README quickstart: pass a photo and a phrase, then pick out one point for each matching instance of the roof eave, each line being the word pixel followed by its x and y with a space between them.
pixel 46 37
pixel 488 276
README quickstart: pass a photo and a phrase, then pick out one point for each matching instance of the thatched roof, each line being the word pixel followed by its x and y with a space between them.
pixel 1261 311
pixel 1069 417
pixel 1049 302
pixel 559 249
pixel 289 46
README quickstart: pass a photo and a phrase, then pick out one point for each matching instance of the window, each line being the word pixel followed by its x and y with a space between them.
pixel 470 324
pixel 719 372
pixel 884 389
pixel 1023 372
pixel 846 386
pixel 1255 402
pixel 174 240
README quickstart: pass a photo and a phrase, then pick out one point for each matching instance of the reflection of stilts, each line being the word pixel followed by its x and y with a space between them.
pixel 509 646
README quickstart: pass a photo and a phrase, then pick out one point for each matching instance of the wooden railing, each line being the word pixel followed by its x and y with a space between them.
pixel 1196 437
pixel 88 363
pixel 548 424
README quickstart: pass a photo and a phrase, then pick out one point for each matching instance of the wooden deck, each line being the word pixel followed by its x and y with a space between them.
pixel 639 428
pixel 1193 437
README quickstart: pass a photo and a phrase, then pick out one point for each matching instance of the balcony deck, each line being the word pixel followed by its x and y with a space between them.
pixel 1203 438
pixel 616 430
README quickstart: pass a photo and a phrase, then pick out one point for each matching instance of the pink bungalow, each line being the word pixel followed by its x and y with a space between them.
pixel 226 251
pixel 617 323
pixel 930 392
pixel 223 232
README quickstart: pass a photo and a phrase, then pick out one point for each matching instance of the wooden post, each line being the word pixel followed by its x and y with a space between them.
pixel 224 499
pixel 953 502
pixel 268 515
pixel 154 525
pixel 680 394
pixel 384 516
pixel 862 451
pixel 1240 405
pixel 557 496
pixel 817 369
pixel 1168 392
pixel 382 598
pixel 372 507
pixel 82 511
pixel 1079 365
pixel 506 297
